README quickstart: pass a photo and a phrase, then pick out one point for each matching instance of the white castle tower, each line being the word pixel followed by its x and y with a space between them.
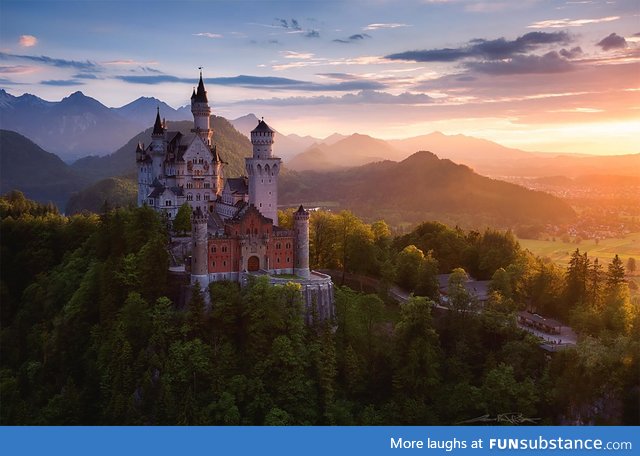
pixel 301 227
pixel 199 237
pixel 201 113
pixel 262 170
pixel 157 149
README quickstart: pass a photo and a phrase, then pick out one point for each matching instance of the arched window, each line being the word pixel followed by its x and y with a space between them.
pixel 198 197
pixel 213 249
pixel 189 197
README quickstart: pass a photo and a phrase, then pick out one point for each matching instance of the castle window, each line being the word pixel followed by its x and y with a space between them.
pixel 167 203
pixel 206 197
pixel 198 197
pixel 213 249
pixel 151 201
pixel 288 259
pixel 189 197
pixel 224 263
pixel 213 264
pixel 189 185
pixel 207 185
pixel 278 260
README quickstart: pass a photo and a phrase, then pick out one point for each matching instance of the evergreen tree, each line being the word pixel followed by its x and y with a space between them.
pixel 577 279
pixel 595 283
pixel 615 272
pixel 631 265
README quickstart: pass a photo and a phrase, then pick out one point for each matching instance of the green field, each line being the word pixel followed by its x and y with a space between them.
pixel 560 252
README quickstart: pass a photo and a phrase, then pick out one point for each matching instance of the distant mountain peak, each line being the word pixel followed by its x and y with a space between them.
pixel 77 94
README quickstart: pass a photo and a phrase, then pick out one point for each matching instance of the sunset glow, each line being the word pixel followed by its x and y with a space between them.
pixel 544 76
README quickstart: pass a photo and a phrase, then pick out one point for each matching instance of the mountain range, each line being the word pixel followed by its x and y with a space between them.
pixel 79 125
pixel 423 187
pixel 373 177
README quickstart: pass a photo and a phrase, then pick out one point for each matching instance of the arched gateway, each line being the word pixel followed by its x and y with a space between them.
pixel 253 264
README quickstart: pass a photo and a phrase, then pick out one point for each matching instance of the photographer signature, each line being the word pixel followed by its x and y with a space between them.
pixel 502 418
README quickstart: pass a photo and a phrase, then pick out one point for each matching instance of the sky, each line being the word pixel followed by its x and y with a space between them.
pixel 539 75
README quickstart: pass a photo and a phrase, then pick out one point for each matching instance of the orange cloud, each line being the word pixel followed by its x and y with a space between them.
pixel 28 40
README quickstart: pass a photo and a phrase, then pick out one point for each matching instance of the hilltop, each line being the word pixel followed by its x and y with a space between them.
pixel 422 187
pixel 39 174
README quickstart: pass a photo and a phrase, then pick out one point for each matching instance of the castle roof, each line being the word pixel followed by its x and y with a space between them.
pixel 238 185
pixel 300 210
pixel 200 95
pixel 262 126
pixel 157 127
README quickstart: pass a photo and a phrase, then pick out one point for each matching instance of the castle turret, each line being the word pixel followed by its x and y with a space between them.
pixel 263 169
pixel 201 113
pixel 157 147
pixel 301 227
pixel 199 237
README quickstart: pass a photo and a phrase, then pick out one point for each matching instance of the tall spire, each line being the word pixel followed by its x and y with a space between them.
pixel 201 94
pixel 157 127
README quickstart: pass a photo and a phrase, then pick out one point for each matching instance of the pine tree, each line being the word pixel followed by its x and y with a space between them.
pixel 631 265
pixel 595 283
pixel 615 273
pixel 577 276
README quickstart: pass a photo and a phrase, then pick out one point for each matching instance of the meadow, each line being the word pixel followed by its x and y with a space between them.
pixel 605 249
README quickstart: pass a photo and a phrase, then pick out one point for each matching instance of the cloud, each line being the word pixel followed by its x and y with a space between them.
pixel 293 24
pixel 84 76
pixel 62 82
pixel 339 76
pixel 153 79
pixel 60 63
pixel 27 40
pixel 563 23
pixel 129 62
pixel 612 41
pixel 551 62
pixel 572 53
pixel 488 49
pixel 361 97
pixel 16 69
pixel 379 26
pixel 432 55
pixel 353 38
pixel 297 55
pixel 257 82
pixel 208 35
pixel 312 34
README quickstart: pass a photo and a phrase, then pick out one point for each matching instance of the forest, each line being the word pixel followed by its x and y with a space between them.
pixel 92 335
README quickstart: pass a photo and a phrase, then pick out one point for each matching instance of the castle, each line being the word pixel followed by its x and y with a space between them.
pixel 234 220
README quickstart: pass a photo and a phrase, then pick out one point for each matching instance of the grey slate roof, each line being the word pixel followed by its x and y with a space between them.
pixel 238 185
pixel 262 126
pixel 200 95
